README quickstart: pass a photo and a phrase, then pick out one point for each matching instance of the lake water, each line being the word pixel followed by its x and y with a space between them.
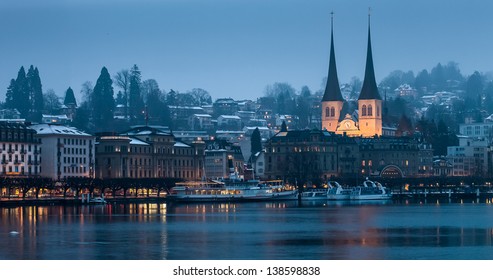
pixel 244 231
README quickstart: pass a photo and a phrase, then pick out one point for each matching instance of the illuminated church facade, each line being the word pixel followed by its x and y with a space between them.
pixel 367 122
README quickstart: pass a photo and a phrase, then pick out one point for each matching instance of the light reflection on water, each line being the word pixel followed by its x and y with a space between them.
pixel 268 230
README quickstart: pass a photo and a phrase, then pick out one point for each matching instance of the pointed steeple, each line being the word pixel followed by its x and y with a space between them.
pixel 369 90
pixel 332 89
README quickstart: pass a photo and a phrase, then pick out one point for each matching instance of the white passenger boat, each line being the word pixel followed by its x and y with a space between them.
pixel 314 194
pixel 370 190
pixel 338 192
pixel 232 190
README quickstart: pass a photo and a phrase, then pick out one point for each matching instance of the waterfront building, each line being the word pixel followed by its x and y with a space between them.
pixel 368 121
pixel 300 154
pixel 470 158
pixel 395 157
pixel 148 152
pixel 66 151
pixel 442 167
pixel 19 150
pixel 322 154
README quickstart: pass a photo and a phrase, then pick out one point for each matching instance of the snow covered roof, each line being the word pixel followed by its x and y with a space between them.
pixel 229 117
pixel 134 141
pixel 181 145
pixel 254 127
pixel 49 129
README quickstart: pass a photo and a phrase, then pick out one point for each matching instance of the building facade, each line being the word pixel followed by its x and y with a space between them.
pixel 20 150
pixel 148 152
pixel 66 152
pixel 322 154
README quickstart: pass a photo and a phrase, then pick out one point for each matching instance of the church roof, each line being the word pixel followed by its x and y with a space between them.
pixel 369 90
pixel 332 89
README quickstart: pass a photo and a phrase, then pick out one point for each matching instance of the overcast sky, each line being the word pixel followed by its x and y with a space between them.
pixel 234 48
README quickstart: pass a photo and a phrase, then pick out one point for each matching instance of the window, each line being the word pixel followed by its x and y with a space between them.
pixel 363 110
pixel 370 110
pixel 327 113
pixel 332 112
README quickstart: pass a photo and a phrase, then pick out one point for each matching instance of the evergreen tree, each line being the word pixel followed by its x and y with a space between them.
pixel 474 90
pixel 103 104
pixel 422 82
pixel 81 119
pixel 284 127
pixel 21 94
pixel 35 94
pixel 70 98
pixel 256 141
pixel 172 98
pixel 136 104
pixel 9 96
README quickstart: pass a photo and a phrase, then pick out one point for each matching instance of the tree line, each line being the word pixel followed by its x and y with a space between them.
pixel 136 101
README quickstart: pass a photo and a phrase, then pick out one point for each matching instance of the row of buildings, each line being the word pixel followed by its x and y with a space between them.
pixel 60 152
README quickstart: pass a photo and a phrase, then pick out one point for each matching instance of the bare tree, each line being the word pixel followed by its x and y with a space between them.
pixel 51 101
pixel 86 91
pixel 122 80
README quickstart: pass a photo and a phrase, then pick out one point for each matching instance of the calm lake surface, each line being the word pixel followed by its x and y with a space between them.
pixel 267 230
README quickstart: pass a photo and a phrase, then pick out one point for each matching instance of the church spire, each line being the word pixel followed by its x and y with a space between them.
pixel 369 90
pixel 332 89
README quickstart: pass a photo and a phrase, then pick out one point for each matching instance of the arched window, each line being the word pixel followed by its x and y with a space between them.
pixel 327 113
pixel 363 110
pixel 370 111
pixel 378 111
pixel 332 111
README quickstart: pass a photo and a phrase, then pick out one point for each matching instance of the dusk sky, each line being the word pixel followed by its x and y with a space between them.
pixel 235 48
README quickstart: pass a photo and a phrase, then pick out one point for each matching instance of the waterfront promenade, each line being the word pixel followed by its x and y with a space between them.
pixel 479 194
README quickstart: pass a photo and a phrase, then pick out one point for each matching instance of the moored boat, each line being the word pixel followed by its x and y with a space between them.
pixel 231 190
pixel 338 192
pixel 370 190
pixel 314 194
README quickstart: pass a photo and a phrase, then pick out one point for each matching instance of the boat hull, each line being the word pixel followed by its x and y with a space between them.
pixel 286 195
pixel 371 197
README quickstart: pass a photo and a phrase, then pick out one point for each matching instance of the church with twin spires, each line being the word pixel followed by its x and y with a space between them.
pixel 367 122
